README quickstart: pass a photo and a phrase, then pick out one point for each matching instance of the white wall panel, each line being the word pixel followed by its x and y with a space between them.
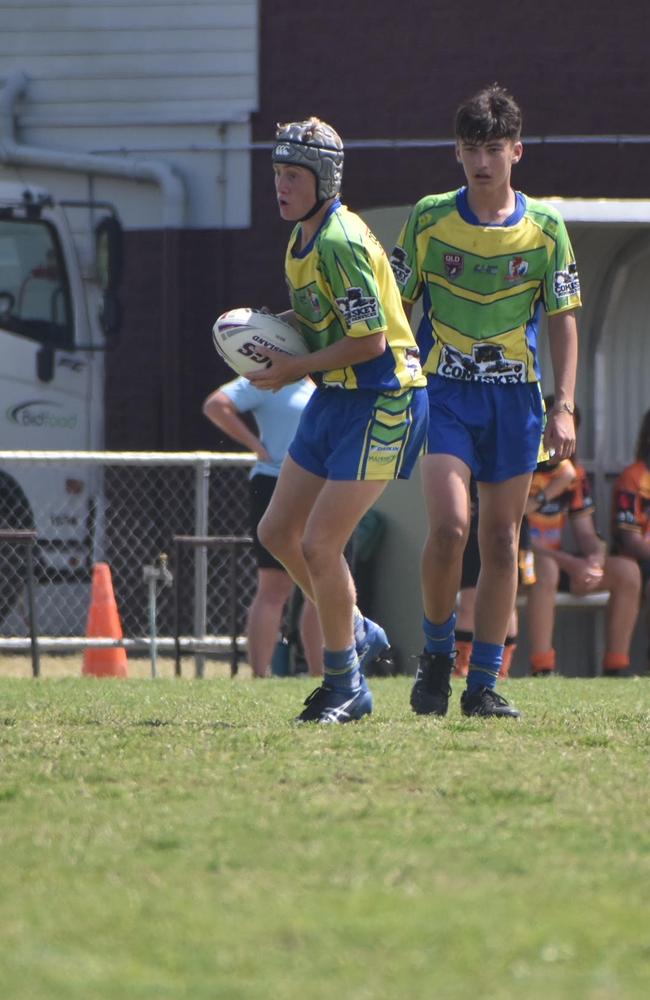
pixel 626 360
pixel 100 58
pixel 171 81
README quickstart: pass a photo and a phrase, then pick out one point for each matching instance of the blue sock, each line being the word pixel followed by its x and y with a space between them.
pixel 484 664
pixel 440 638
pixel 341 668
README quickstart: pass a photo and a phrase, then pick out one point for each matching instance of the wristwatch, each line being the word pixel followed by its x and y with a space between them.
pixel 567 407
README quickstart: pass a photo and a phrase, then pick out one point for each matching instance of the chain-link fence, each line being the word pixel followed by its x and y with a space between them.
pixel 123 509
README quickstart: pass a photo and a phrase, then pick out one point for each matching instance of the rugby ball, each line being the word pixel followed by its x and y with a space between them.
pixel 239 334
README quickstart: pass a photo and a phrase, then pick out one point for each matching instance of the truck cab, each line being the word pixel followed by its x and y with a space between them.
pixel 58 313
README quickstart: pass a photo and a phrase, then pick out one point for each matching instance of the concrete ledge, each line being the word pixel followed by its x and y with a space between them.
pixel 589 602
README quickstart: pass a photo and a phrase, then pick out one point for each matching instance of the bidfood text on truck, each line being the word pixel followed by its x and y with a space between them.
pixel 60 266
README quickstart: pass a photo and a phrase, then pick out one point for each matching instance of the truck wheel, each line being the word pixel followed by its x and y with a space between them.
pixel 16 515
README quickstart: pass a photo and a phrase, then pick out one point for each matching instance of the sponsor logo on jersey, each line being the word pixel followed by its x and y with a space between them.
pixel 625 512
pixel 373 239
pixel 383 454
pixel 412 361
pixel 454 264
pixel 400 266
pixel 314 300
pixel 517 268
pixel 486 364
pixel 566 282
pixel 357 307
pixel 486 269
pixel 308 302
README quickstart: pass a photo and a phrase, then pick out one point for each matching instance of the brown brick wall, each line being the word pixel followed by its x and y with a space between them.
pixel 376 69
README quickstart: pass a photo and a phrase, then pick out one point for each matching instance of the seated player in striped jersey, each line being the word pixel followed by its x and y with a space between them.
pixel 586 570
pixel 631 513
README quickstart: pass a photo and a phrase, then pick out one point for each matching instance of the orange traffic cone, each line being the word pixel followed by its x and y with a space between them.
pixel 104 622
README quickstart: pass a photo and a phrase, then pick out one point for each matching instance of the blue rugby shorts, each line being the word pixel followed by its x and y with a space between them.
pixel 351 434
pixel 495 429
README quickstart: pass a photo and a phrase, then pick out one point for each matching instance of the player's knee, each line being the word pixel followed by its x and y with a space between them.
pixel 499 548
pixel 318 552
pixel 270 536
pixel 448 540
pixel 623 575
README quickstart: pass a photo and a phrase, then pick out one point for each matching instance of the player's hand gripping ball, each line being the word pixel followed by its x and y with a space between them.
pixel 239 334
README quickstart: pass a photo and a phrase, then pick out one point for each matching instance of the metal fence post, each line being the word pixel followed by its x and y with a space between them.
pixel 202 481
pixel 152 576
pixel 31 605
pixel 177 606
pixel 27 539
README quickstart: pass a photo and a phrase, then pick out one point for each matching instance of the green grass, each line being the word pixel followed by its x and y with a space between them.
pixel 184 840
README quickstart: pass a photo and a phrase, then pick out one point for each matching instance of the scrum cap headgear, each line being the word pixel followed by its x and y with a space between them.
pixel 315 145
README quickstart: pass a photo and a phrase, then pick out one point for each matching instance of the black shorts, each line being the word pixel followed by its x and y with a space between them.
pixel 260 491
pixel 472 558
pixel 644 566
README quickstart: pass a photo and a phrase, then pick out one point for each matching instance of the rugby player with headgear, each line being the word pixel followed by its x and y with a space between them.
pixel 366 422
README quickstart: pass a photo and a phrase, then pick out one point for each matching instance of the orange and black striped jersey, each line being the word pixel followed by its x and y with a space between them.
pixel 547 523
pixel 631 501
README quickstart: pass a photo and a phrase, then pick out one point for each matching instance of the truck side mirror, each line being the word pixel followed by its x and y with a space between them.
pixel 45 363
pixel 108 253
pixel 110 314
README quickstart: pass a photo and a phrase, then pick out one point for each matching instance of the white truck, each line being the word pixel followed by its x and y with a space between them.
pixel 60 266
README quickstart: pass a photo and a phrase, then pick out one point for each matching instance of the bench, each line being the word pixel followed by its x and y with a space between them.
pixel 588 602
pixel 572 602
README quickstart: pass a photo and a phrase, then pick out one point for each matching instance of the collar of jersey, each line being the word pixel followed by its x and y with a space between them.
pixel 303 253
pixel 466 213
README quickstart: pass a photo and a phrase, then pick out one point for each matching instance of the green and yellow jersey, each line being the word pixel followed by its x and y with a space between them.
pixel 342 285
pixel 484 285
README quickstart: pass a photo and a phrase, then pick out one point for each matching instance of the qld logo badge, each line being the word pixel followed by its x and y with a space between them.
pixel 454 264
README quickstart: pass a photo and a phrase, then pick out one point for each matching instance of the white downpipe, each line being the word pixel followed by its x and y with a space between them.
pixel 12 152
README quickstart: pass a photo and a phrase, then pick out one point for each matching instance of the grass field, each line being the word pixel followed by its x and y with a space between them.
pixel 182 839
